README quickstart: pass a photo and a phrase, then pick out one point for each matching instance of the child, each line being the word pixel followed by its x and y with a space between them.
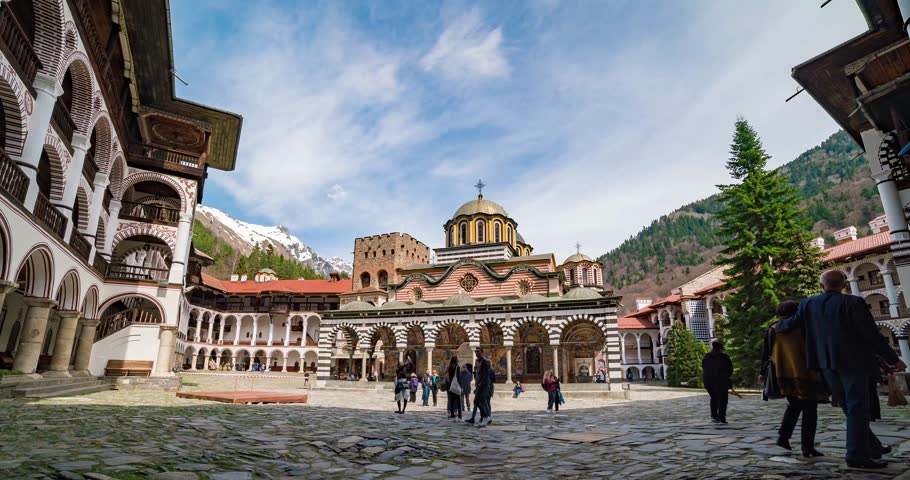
pixel 518 390
pixel 402 391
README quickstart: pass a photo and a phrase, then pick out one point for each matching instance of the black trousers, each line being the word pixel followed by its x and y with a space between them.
pixel 809 410
pixel 718 402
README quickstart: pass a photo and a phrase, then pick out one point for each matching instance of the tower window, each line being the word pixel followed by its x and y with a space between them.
pixel 481 235
pixel 497 232
pixel 463 233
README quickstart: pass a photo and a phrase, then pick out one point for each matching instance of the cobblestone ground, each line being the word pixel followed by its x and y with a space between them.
pixel 348 434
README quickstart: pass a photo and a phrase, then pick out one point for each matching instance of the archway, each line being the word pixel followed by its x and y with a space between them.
pixel 382 347
pixel 243 360
pixel 294 364
pixel 151 201
pixel 202 359
pixel 309 360
pixel 188 357
pixel 259 360
pixel 492 343
pixel 141 257
pixel 534 355
pixel 127 310
pixel 450 338
pixel 36 272
pixel 68 293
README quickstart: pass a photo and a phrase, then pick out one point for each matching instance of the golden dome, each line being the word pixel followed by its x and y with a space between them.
pixel 481 205
pixel 578 257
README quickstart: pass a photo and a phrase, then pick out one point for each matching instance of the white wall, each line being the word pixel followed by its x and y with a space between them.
pixel 136 342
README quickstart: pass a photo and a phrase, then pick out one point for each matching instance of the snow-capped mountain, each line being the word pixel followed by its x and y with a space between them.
pixel 243 237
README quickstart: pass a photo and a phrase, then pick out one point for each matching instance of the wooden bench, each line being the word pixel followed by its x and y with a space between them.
pixel 128 368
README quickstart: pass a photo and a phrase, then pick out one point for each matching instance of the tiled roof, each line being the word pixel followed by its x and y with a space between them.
pixel 280 286
pixel 670 299
pixel 628 323
pixel 710 288
pixel 879 241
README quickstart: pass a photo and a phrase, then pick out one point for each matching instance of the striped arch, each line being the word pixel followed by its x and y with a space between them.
pixel 152 177
pixel 68 292
pixel 441 325
pixel 104 139
pixel 118 170
pixel 154 301
pixel 60 161
pixel 489 321
pixel 894 329
pixel 89 306
pixel 552 333
pixel 904 329
pixel 101 234
pixel 570 320
pixel 49 31
pixel 84 199
pixel 36 272
pixel 376 329
pixel 349 332
pixel 134 229
pixel 5 248
pixel 78 64
pixel 15 112
pixel 70 38
pixel 403 331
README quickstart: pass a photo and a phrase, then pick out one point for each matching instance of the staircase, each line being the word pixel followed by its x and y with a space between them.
pixel 61 387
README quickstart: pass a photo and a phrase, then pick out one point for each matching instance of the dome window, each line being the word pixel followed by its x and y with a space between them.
pixel 481 234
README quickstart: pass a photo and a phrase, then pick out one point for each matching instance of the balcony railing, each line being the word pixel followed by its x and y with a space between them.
pixel 80 245
pixel 17 42
pixel 149 213
pixel 63 120
pixel 50 216
pixel 146 155
pixel 100 264
pixel 119 321
pixel 12 179
pixel 132 272
pixel 89 168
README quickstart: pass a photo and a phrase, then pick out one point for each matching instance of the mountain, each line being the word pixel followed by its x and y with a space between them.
pixel 242 238
pixel 833 179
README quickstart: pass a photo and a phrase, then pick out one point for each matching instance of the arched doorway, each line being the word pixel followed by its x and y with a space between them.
pixel 141 257
pixel 126 311
pixel 533 353
pixel 450 339
pixel 492 343
pixel 382 346
pixel 581 342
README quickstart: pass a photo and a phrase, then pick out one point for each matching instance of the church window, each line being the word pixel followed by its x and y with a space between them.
pixel 497 232
pixel 509 234
pixel 481 231
pixel 451 241
pixel 417 294
pixel 364 280
pixel 383 279
pixel 463 233
pixel 527 252
pixel 468 282
pixel 572 280
pixel 584 276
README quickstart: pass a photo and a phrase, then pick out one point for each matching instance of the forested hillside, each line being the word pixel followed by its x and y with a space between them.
pixel 832 179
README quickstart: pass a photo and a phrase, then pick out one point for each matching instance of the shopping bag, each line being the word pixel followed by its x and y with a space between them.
pixel 895 395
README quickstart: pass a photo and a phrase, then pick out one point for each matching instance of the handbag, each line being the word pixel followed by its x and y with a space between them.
pixel 455 387
pixel 771 388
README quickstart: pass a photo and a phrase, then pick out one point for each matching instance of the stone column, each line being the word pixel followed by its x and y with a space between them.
pixel 891 291
pixel 430 360
pixel 84 347
pixel 181 248
pixel 854 286
pixel 306 324
pixel 253 339
pixel 556 361
pixel 32 336
pixel 237 324
pixel 508 365
pixel 221 332
pixel 363 365
pixel 233 363
pixel 284 366
pixel 638 344
pixel 893 206
pixel 94 213
pixel 6 286
pixel 622 349
pixel 80 144
pixel 167 340
pixel 904 345
pixel 113 221
pixel 400 356
pixel 208 337
pixel 63 344
pixel 47 89
pixel 193 365
pixel 271 330
pixel 287 333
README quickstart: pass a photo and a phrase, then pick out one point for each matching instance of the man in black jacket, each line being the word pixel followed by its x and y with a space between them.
pixel 716 372
pixel 842 341
pixel 483 382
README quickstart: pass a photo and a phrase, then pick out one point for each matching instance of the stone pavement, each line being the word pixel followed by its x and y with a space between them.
pixel 662 434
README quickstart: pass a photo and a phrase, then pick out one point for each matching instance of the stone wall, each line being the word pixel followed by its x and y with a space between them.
pixel 387 252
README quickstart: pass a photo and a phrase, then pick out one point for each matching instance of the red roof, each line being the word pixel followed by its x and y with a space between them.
pixel 859 246
pixel 711 288
pixel 280 286
pixel 670 299
pixel 628 323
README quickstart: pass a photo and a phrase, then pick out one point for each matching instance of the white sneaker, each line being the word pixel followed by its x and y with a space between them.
pixel 484 421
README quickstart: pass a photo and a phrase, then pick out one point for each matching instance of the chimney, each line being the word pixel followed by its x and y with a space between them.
pixel 235 277
pixel 845 235
pixel 818 242
pixel 879 224
pixel 642 303
pixel 334 276
pixel 243 278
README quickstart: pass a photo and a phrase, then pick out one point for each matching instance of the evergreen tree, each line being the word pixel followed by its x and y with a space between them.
pixel 766 249
pixel 684 355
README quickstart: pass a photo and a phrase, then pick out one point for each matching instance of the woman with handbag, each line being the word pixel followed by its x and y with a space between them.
pixel 453 390
pixel 784 374
pixel 551 385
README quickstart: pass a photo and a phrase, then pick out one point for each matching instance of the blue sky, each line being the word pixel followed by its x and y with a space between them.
pixel 586 120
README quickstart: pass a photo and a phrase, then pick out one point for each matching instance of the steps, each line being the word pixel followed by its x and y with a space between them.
pixel 59 387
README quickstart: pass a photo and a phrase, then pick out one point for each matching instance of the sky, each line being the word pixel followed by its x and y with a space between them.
pixel 586 120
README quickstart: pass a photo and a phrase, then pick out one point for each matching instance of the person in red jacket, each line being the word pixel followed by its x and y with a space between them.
pixel 551 385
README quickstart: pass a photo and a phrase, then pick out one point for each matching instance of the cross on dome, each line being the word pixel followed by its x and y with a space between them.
pixel 479 187
pixel 577 247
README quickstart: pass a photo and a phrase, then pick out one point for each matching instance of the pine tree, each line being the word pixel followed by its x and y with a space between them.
pixel 684 355
pixel 765 249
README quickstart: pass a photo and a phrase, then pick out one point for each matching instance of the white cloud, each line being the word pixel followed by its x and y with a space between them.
pixel 468 50
pixel 337 193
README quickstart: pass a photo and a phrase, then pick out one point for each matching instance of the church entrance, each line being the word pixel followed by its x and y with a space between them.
pixel 532 358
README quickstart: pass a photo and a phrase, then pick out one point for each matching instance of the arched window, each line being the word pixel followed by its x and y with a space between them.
pixel 497 232
pixel 451 241
pixel 364 280
pixel 584 276
pixel 572 280
pixel 509 234
pixel 383 279
pixel 527 252
pixel 463 233
pixel 481 234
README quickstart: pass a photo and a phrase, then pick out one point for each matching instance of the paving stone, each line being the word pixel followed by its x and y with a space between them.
pixel 382 467
pixel 231 476
pixel 174 476
pixel 195 467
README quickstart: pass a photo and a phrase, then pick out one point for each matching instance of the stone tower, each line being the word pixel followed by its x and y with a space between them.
pixel 377 258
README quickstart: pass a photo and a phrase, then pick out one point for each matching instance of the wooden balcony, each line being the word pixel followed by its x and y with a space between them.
pixel 64 122
pixel 130 272
pixel 49 215
pixel 89 168
pixel 149 213
pixel 160 158
pixel 80 245
pixel 13 180
pixel 15 40
pixel 100 264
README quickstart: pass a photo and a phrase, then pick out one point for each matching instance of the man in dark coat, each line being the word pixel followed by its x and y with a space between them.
pixel 717 368
pixel 842 341
pixel 484 378
pixel 465 377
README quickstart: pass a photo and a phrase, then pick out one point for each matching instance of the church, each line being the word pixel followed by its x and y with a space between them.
pixel 486 288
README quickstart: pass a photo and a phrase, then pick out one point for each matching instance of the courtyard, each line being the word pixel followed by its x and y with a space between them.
pixel 660 433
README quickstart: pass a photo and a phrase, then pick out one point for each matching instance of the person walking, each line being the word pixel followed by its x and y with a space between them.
pixel 842 340
pixel 465 377
pixel 717 368
pixel 434 379
pixel 427 383
pixel 402 390
pixel 453 403
pixel 783 356
pixel 484 382
pixel 549 384
pixel 412 386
